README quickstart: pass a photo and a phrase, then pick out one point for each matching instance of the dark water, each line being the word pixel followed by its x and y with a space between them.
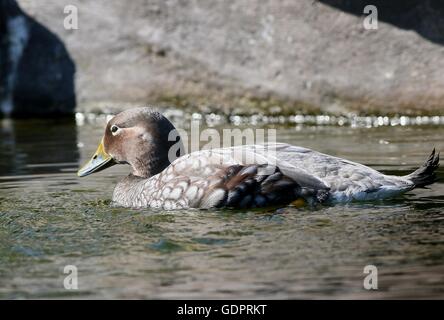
pixel 49 218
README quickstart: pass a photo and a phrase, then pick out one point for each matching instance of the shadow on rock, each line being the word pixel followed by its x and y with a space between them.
pixel 36 70
pixel 426 17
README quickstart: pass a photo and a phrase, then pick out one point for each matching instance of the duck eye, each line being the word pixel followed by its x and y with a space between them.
pixel 114 129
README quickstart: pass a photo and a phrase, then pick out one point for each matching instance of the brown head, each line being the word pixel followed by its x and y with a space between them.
pixel 140 137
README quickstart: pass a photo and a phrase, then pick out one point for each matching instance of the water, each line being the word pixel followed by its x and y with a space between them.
pixel 49 218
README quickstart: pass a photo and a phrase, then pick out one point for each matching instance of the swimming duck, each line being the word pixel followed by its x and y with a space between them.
pixel 238 177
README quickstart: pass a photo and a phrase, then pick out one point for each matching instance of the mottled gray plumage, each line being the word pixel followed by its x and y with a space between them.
pixel 239 177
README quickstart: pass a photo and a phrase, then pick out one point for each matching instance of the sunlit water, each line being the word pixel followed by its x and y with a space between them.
pixel 49 218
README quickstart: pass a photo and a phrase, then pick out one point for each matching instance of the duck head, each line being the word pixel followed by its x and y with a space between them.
pixel 140 137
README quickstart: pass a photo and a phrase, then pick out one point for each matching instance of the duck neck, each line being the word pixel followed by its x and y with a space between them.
pixel 158 156
pixel 149 165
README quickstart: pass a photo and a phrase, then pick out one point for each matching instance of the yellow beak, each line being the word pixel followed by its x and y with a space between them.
pixel 99 161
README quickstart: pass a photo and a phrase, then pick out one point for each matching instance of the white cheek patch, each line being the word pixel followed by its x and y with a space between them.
pixel 141 133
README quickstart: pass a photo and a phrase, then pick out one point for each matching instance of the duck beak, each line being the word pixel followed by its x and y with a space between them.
pixel 99 161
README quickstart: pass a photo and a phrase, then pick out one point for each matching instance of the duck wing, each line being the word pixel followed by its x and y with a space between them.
pixel 231 177
pixel 274 174
pixel 346 179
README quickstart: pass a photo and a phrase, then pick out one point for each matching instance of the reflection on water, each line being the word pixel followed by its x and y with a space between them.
pixel 49 218
pixel 29 146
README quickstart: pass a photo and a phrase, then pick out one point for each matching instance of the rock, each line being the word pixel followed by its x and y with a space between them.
pixel 37 73
pixel 240 56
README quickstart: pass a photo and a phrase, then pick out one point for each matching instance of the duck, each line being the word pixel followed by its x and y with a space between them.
pixel 246 176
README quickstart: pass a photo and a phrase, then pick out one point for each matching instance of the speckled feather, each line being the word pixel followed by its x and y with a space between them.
pixel 243 177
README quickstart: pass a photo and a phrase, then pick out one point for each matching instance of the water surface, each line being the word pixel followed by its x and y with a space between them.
pixel 49 218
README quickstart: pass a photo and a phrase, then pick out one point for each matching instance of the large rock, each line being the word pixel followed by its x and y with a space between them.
pixel 36 71
pixel 250 55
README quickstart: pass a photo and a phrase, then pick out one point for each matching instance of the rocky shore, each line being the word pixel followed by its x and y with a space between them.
pixel 230 57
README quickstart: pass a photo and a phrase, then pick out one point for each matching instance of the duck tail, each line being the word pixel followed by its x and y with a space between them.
pixel 425 175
